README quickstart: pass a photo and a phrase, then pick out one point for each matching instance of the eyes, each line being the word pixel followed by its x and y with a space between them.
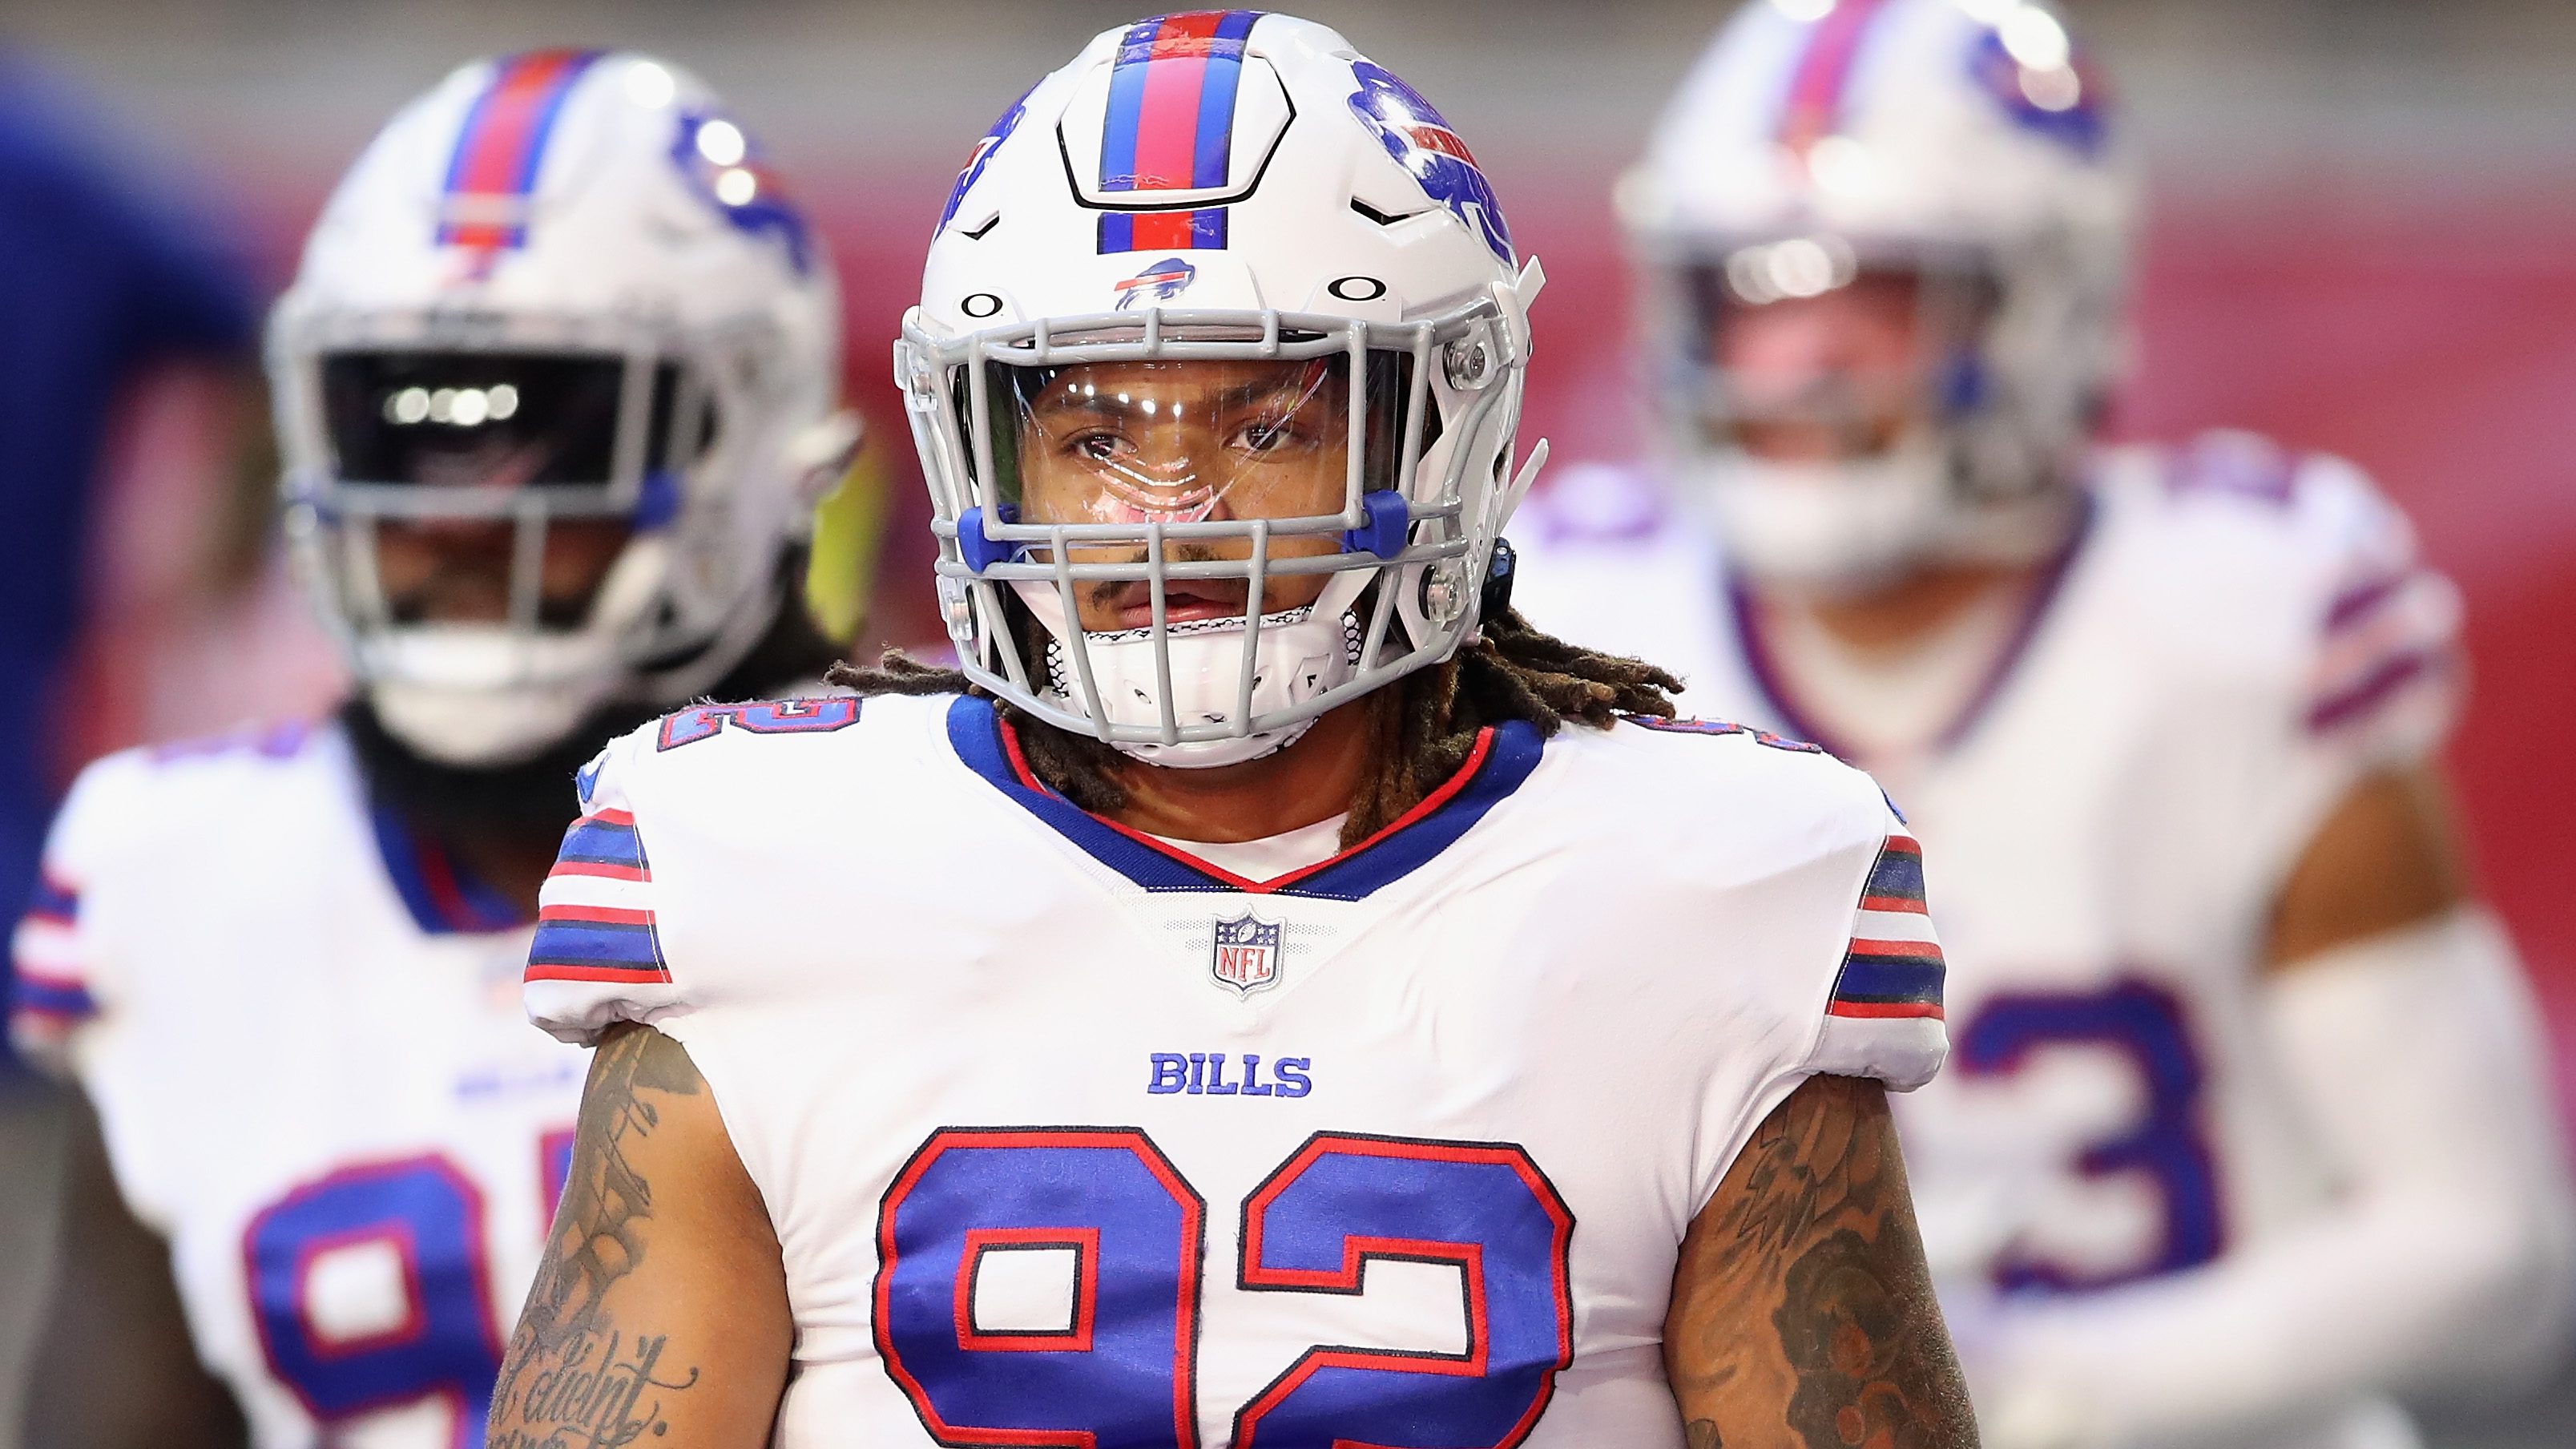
pixel 1262 437
pixel 1269 435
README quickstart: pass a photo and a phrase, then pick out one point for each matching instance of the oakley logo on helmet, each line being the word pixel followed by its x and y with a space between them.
pixel 1422 143
pixel 1162 281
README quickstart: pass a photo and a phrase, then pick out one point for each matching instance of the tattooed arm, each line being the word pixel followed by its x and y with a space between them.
pixel 1802 1313
pixel 660 1312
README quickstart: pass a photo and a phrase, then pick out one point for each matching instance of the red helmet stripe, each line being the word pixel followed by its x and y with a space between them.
pixel 1816 89
pixel 1170 123
pixel 1167 120
pixel 503 139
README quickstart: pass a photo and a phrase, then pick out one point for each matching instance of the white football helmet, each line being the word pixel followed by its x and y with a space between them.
pixel 560 286
pixel 1197 193
pixel 1963 144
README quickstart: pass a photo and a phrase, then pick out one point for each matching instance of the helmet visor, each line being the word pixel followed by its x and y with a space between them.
pixel 495 488
pixel 1204 448
pixel 507 421
pixel 1193 440
pixel 1805 352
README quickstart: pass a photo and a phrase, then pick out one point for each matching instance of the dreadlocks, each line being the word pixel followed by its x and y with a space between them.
pixel 1426 727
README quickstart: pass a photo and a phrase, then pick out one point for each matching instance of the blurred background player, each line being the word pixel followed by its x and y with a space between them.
pixel 1343 928
pixel 2244 1125
pixel 555 388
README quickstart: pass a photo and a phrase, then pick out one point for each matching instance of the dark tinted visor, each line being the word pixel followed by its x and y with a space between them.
pixel 500 420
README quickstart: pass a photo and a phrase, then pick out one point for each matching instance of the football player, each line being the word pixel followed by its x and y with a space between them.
pixel 1267 993
pixel 556 385
pixel 2244 1127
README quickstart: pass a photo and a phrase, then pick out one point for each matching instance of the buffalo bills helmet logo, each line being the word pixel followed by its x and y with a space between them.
pixel 1162 281
pixel 2068 105
pixel 984 150
pixel 726 170
pixel 1246 955
pixel 1422 143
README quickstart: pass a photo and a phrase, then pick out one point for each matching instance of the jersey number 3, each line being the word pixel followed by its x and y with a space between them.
pixel 1120 1366
pixel 2145 1025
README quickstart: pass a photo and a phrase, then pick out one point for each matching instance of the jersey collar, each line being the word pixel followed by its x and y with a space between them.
pixel 1765 671
pixel 443 897
pixel 1503 757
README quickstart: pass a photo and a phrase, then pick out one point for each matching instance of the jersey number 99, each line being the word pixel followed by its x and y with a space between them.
pixel 426 1215
pixel 429 1217
pixel 1130 1230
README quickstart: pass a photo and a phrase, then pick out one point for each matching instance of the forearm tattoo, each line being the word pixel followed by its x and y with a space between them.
pixel 572 1379
pixel 1802 1295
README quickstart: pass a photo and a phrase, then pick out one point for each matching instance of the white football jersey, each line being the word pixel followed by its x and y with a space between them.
pixel 2232 641
pixel 300 1024
pixel 1069 1136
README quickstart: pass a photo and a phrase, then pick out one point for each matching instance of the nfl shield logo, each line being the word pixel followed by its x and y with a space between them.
pixel 1246 956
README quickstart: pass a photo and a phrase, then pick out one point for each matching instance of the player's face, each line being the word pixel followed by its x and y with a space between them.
pixel 540 426
pixel 1187 442
pixel 458 571
pixel 1826 378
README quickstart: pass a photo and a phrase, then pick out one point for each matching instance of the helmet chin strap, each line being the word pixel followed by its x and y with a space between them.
pixel 467 696
pixel 478 728
pixel 1838 527
pixel 1302 653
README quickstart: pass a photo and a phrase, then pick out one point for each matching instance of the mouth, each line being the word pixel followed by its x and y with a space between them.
pixel 1184 602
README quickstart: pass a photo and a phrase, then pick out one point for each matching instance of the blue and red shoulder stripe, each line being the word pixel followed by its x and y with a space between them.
pixel 595 918
pixel 1893 967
